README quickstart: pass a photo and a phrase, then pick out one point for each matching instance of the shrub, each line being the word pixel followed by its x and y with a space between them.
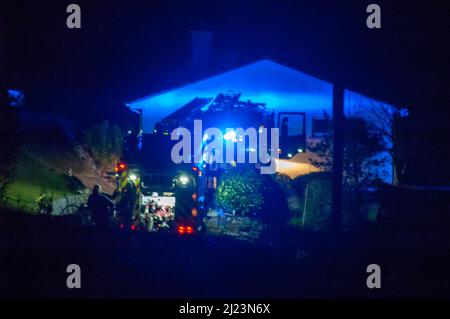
pixel 315 189
pixel 239 192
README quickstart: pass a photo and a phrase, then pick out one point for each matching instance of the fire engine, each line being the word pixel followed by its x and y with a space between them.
pixel 176 197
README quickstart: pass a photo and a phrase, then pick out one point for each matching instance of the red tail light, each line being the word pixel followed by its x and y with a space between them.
pixel 120 167
pixel 185 230
pixel 133 227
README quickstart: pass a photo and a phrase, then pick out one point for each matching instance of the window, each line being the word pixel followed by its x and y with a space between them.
pixel 321 126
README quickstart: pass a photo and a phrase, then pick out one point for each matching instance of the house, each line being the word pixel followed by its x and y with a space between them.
pixel 281 88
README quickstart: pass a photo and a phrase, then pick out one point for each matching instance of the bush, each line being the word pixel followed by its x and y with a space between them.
pixel 316 190
pixel 275 211
pixel 362 168
pixel 239 192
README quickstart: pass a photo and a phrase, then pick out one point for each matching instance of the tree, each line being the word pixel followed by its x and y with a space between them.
pixel 104 143
pixel 240 192
pixel 384 120
pixel 9 140
pixel 360 163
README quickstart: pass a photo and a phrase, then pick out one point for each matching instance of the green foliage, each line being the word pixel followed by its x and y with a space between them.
pixel 315 189
pixel 33 177
pixel 104 143
pixel 240 192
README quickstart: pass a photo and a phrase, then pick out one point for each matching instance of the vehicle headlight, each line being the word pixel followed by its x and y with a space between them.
pixel 183 180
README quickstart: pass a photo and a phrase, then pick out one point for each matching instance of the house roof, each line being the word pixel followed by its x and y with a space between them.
pixel 263 81
pixel 280 87
pixel 263 64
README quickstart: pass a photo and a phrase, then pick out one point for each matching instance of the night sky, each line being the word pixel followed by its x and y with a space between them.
pixel 129 49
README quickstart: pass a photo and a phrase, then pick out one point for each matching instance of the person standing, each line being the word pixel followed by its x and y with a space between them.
pixel 101 208
pixel 127 204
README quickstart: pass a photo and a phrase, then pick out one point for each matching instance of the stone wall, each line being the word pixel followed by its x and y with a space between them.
pixel 235 226
pixel 61 203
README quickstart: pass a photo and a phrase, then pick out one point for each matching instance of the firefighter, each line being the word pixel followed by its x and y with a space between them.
pixel 101 208
pixel 127 204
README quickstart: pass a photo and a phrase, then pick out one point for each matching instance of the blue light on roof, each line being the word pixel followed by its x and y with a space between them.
pixel 16 97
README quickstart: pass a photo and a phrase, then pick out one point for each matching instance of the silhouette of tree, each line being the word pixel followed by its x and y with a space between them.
pixel 104 143
pixel 9 140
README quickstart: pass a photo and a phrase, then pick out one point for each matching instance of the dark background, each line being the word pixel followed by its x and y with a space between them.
pixel 129 49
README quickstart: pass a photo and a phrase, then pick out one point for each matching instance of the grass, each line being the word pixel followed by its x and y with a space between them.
pixel 33 177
